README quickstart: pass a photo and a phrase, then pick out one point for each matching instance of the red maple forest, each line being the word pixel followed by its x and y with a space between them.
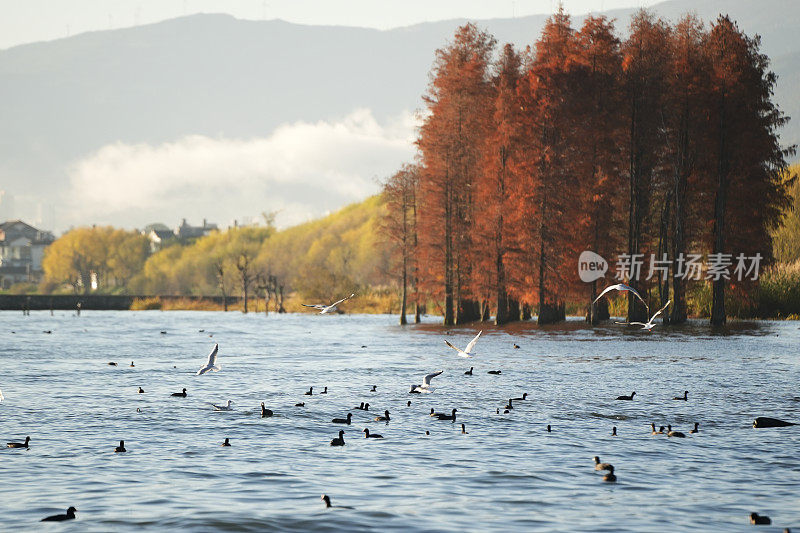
pixel 662 143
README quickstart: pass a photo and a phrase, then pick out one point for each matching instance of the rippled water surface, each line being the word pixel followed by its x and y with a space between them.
pixel 506 474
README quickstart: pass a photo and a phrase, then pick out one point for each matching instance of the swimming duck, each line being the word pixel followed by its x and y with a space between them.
pixel 516 346
pixel 324 391
pixel 338 441
pixel 548 428
pixel 524 395
pixel 464 430
pixel 696 429
pixel 19 444
pixel 685 396
pixel 469 372
pixel 671 433
pixel 653 427
pixel 343 420
pixel 226 443
pixel 614 431
pixel 140 391
pixel 509 405
pixel 602 466
pixel 179 394
pixel 368 435
pixel 409 403
pixel 300 404
pixel 360 407
pixel 374 388
pixel 309 392
pixel 767 422
pixel 120 448
pixel 452 416
pixel 494 372
pixel 265 412
pixel 610 477
pixel 132 365
pixel 112 363
pixel 69 515
pixel 758 520
pixel 328 505
pixel 384 418
pixel 623 397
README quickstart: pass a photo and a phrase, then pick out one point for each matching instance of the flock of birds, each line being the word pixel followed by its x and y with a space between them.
pixel 425 387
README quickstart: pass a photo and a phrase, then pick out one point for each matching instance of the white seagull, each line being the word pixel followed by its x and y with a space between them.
pixel 212 362
pixel 467 352
pixel 226 407
pixel 324 309
pixel 426 383
pixel 649 325
pixel 621 287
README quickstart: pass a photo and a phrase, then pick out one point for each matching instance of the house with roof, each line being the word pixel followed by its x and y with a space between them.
pixel 186 232
pixel 21 252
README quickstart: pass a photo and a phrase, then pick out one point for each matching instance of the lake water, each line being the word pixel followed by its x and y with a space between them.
pixel 506 474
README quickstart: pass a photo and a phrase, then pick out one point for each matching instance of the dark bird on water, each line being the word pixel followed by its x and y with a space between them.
pixel 685 396
pixel 671 433
pixel 696 429
pixel 548 428
pixel 180 394
pixel 510 404
pixel 409 403
pixel 602 466
pixel 343 420
pixel 324 391
pixel 300 404
pixel 120 448
pixel 132 365
pixel 623 397
pixel 758 520
pixel 310 391
pixel 464 430
pixel 469 372
pixel 441 416
pixel 19 444
pixel 494 372
pixel 767 422
pixel 69 515
pixel 112 363
pixel 140 391
pixel 227 442
pixel 265 412
pixel 368 435
pixel 610 477
pixel 338 441
pixel 516 346
pixel 524 395
pixel 384 418
pixel 328 505
pixel 614 431
pixel 374 388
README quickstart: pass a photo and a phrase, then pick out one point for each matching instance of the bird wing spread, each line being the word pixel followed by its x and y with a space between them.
pixel 471 344
pixel 426 381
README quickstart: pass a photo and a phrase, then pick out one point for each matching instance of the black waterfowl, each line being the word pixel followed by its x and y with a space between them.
pixel 433 412
pixel 324 391
pixel 696 428
pixel 48 331
pixel 610 477
pixel 366 407
pixel 522 398
pixel 660 430
pixel 623 397
pixel 300 404
pixel 469 372
pixel 112 363
pixel 163 332
pixel 409 403
pixel 602 466
pixel 767 422
pixel 374 388
pixel 69 515
pixel 464 430
pixel 328 505
pixel 506 412
pixel 182 394
pixel 265 412
pixel 548 429
pixel 614 431
pixel 441 416
pixel 368 435
pixel 140 391
pixel 685 396
pixel 309 392
pixel 758 520
pixel 343 420
pixel 494 372
pixel 19 444
pixel 338 441
pixel 516 346
pixel 497 410
pixel 227 442
pixel 677 434
pixel 360 407
pixel 131 365
pixel 510 404
pixel 653 427
pixel 120 448
pixel 384 418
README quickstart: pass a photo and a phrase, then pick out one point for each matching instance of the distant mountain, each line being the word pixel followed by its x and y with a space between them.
pixel 96 111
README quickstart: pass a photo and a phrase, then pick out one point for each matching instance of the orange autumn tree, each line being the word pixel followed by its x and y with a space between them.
pixel 449 145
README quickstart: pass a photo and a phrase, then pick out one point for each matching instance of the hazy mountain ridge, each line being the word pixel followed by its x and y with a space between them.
pixel 223 78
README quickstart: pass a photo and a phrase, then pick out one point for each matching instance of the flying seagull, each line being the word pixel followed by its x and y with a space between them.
pixel 212 362
pixel 324 309
pixel 649 325
pixel 621 287
pixel 468 350
pixel 426 383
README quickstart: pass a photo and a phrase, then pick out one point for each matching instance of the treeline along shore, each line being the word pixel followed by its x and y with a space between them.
pixel 661 148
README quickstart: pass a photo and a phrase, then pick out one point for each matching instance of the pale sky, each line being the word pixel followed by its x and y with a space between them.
pixel 25 21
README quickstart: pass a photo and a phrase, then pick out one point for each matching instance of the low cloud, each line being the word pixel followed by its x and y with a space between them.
pixel 302 170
